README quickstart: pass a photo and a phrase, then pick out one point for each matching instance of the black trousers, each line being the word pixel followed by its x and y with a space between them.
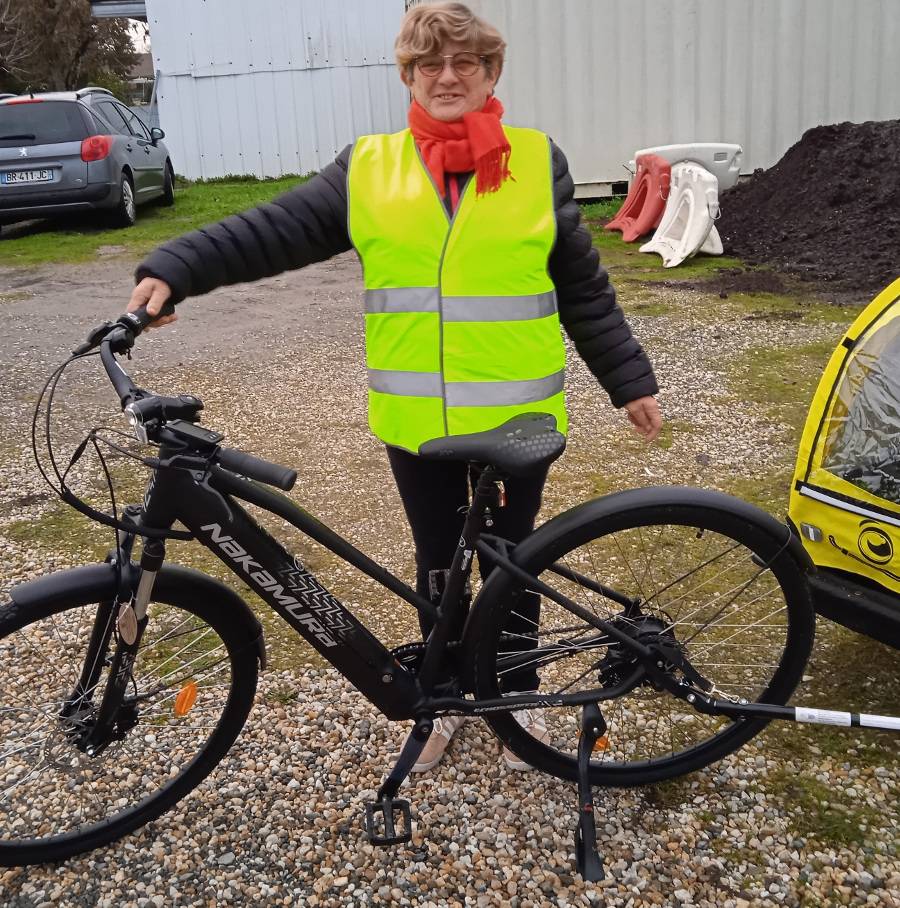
pixel 435 495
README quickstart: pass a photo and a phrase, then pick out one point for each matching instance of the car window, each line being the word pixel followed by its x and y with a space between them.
pixel 112 116
pixel 135 122
pixel 41 123
pixel 98 122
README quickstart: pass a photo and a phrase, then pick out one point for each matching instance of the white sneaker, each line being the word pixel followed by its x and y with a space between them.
pixel 445 727
pixel 533 723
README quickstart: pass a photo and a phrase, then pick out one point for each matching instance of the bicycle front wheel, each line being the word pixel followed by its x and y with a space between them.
pixel 55 799
pixel 707 575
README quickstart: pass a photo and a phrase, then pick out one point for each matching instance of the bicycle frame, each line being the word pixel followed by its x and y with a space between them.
pixel 209 509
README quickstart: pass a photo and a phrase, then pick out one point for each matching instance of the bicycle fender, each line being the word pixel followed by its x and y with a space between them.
pixel 99 582
pixel 81 583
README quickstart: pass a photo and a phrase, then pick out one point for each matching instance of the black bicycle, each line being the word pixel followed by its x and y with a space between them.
pixel 674 624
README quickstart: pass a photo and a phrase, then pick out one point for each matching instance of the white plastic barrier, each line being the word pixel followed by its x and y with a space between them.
pixel 687 224
pixel 719 158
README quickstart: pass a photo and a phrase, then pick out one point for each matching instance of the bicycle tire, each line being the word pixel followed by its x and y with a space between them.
pixel 612 519
pixel 240 655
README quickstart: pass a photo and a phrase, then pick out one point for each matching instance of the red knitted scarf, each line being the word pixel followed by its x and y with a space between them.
pixel 477 142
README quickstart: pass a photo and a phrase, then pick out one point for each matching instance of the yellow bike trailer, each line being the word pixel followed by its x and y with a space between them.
pixel 845 495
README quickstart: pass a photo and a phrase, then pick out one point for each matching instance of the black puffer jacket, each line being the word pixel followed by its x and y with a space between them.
pixel 309 224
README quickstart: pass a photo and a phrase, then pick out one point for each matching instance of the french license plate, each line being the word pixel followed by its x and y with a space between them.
pixel 25 176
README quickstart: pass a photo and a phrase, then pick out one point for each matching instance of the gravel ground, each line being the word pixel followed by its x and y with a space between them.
pixel 278 822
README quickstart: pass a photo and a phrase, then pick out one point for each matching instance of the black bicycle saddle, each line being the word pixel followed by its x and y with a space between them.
pixel 520 446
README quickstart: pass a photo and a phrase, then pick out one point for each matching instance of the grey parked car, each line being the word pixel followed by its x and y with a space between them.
pixel 63 152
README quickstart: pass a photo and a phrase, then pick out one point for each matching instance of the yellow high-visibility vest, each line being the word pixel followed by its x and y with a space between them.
pixel 462 329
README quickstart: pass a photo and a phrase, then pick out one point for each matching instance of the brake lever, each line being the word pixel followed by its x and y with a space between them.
pixel 94 338
pixel 131 323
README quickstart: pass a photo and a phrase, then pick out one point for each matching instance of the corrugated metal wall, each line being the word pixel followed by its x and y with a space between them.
pixel 280 86
pixel 273 86
pixel 605 77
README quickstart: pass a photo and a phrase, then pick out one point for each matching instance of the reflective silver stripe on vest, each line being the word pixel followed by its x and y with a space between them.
pixel 403 299
pixel 406 384
pixel 503 393
pixel 466 393
pixel 461 308
pixel 499 308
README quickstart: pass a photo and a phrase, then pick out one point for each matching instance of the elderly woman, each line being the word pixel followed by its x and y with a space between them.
pixel 473 254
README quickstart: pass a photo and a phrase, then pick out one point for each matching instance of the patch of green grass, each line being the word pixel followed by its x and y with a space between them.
pixel 604 210
pixel 781 379
pixel 283 695
pixel 821 812
pixel 14 296
pixel 767 492
pixel 850 672
pixel 61 530
pixel 791 306
pixel 626 262
pixel 648 308
pixel 668 793
pixel 196 204
pixel 697 268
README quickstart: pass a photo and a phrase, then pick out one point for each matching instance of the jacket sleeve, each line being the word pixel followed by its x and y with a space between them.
pixel 587 301
pixel 306 225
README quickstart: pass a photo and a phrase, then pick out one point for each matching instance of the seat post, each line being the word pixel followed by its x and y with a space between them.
pixel 448 616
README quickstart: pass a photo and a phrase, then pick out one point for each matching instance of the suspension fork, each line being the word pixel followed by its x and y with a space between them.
pixel 102 630
pixel 131 622
pixel 130 610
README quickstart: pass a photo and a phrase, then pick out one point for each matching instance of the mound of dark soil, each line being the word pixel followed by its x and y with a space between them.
pixel 828 211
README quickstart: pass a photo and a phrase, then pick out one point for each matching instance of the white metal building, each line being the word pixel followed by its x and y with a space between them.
pixel 280 86
pixel 606 77
pixel 273 86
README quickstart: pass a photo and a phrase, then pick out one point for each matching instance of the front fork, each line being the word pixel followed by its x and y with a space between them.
pixel 128 614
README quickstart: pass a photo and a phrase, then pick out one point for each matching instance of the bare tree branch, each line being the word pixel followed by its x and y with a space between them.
pixel 59 45
pixel 17 43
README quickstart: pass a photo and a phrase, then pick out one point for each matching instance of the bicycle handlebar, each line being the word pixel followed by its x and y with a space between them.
pixel 149 411
pixel 272 474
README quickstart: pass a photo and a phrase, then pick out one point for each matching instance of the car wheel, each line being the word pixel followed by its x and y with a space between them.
pixel 168 196
pixel 125 213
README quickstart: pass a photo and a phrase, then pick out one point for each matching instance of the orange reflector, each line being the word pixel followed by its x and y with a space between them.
pixel 186 698
pixel 601 743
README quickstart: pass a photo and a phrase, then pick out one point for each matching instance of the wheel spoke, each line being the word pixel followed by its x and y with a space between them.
pixel 700 591
pixel 49 786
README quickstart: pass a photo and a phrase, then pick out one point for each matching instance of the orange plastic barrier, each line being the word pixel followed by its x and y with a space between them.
pixel 646 199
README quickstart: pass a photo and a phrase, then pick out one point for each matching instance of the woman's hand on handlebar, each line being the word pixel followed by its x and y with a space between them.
pixel 152 293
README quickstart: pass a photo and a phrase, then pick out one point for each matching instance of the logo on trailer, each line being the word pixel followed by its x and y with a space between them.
pixel 874 544
pixel 23 152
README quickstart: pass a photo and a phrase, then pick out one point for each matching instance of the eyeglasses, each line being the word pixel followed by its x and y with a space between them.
pixel 462 64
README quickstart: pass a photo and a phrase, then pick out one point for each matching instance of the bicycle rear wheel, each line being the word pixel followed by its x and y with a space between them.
pixel 705 573
pixel 55 800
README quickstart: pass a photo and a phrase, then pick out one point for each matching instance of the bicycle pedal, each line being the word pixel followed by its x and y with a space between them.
pixel 381 826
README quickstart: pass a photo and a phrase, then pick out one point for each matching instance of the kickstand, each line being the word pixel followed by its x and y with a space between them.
pixel 587 861
pixel 387 832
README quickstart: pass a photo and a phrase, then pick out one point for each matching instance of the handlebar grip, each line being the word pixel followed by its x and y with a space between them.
pixel 140 318
pixel 256 468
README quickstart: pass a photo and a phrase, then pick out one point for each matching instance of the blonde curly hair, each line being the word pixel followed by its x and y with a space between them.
pixel 426 28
